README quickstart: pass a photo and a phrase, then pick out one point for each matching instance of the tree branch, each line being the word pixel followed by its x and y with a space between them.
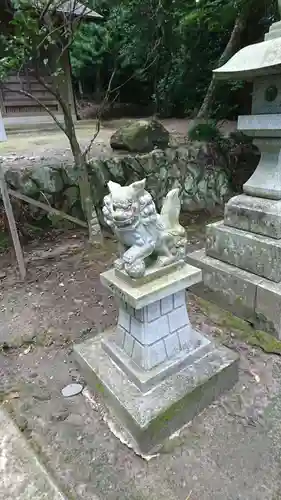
pixel 110 91
pixel 31 96
pixel 115 89
pixel 101 109
pixel 57 95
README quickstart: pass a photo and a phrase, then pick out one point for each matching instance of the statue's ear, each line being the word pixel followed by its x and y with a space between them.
pixel 138 187
pixel 112 186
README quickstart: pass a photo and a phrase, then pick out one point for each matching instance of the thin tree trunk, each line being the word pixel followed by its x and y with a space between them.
pixel 231 47
pixel 80 163
pixel 81 167
pixel 98 87
pixel 80 89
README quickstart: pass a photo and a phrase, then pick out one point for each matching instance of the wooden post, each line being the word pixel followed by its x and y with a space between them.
pixel 9 209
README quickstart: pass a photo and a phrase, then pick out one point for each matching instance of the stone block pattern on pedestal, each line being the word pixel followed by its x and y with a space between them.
pixel 155 333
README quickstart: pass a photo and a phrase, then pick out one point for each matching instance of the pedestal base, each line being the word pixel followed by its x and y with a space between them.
pixel 246 295
pixel 152 416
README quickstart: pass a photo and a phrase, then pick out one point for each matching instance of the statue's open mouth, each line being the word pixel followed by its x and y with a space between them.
pixel 124 222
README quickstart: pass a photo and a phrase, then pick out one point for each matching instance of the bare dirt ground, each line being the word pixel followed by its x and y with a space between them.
pixel 52 147
pixel 230 452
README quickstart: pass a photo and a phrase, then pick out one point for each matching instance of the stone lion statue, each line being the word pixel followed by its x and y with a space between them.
pixel 145 236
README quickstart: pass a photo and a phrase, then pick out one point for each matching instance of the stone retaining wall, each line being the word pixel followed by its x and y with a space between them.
pixel 203 184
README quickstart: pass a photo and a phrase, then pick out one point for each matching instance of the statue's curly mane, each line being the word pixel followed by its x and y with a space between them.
pixel 147 210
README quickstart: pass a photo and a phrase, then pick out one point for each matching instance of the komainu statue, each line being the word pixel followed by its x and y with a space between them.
pixel 145 236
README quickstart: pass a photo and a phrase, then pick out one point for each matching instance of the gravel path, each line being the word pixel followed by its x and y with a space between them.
pixel 52 147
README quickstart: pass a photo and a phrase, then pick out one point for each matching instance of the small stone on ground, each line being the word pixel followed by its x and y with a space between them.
pixel 72 390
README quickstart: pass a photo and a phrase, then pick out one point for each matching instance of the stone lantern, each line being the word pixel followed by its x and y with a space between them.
pixel 242 262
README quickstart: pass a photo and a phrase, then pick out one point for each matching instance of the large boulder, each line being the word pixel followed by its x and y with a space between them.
pixel 48 179
pixel 140 136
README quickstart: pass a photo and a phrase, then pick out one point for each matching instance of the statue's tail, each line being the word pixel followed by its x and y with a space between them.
pixel 171 211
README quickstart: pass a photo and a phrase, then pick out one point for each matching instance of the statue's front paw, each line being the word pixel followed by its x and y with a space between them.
pixel 119 264
pixel 136 269
pixel 129 258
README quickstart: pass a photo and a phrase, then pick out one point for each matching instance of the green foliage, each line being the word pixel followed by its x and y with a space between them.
pixel 33 32
pixel 235 152
pixel 206 132
pixel 160 51
pixel 164 51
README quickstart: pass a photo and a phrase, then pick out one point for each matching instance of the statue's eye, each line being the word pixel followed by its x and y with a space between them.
pixel 114 207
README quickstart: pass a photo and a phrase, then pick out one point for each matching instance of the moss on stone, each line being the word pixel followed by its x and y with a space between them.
pixel 266 342
pixel 191 399
pixel 240 328
pixel 140 136
pixel 239 300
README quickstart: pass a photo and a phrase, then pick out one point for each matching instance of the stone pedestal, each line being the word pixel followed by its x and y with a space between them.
pixel 155 371
pixel 242 262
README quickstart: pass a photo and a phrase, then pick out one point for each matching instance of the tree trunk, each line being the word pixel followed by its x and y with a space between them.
pixel 98 86
pixel 80 89
pixel 231 47
pixel 81 168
